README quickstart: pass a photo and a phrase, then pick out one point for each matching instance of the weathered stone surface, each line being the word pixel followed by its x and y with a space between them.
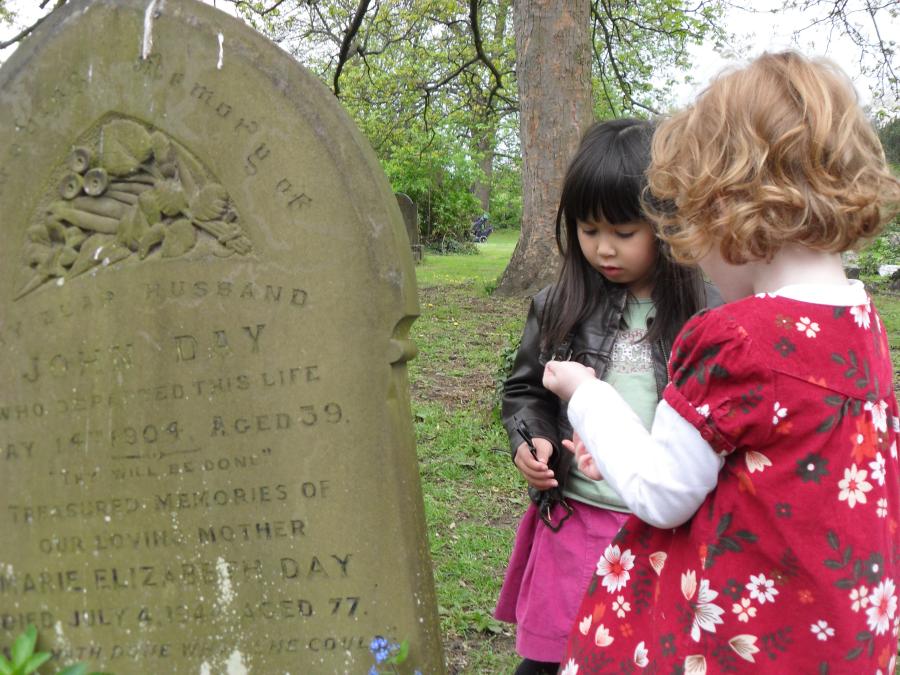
pixel 206 455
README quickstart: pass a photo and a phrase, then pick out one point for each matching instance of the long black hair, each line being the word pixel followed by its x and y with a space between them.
pixel 605 181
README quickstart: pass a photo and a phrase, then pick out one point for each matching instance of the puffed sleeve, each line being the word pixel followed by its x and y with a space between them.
pixel 719 383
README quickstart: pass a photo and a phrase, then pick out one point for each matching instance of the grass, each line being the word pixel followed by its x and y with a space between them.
pixel 482 269
pixel 473 495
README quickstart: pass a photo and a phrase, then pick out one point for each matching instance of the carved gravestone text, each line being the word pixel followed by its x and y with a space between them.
pixel 206 453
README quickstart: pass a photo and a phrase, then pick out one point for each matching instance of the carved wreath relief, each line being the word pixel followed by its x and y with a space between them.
pixel 138 193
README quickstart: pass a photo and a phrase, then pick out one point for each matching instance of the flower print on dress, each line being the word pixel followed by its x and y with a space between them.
pixel 878 467
pixel 822 630
pixel 812 467
pixel 761 589
pixel 584 626
pixel 807 326
pixel 882 510
pixel 879 414
pixel 640 655
pixel 657 561
pixel 703 409
pixel 882 607
pixel 706 614
pixel 862 314
pixel 744 610
pixel 779 413
pixel 695 664
pixel 756 461
pixel 863 440
pixel 613 566
pixel 621 607
pixel 602 638
pixel 744 646
pixel 859 598
pixel 571 668
pixel 854 486
pixel 785 347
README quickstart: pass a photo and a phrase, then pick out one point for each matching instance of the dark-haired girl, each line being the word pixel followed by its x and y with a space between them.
pixel 617 306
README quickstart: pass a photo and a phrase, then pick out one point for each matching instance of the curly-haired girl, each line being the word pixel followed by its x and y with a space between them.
pixel 766 494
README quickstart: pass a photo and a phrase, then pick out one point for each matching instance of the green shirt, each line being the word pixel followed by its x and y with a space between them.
pixel 630 372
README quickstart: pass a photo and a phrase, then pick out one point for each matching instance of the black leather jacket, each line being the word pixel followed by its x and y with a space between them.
pixel 525 398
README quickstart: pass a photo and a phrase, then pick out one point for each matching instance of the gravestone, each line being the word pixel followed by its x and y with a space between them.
pixel 411 220
pixel 206 453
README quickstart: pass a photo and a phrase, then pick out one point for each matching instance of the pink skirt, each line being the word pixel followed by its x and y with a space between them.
pixel 548 574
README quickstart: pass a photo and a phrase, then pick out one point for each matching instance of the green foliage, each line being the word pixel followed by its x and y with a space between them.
pixel 889 134
pixel 506 195
pixel 26 661
pixel 879 252
pixel 436 112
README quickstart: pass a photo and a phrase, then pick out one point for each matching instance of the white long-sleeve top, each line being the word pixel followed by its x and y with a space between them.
pixel 664 475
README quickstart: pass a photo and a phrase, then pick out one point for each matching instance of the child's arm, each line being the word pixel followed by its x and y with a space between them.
pixel 525 400
pixel 664 475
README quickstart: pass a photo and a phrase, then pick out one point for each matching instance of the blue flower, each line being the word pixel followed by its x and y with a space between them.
pixel 382 655
pixel 377 644
pixel 373 671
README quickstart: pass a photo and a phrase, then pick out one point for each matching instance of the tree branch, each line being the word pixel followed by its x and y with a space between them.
pixel 345 54
pixel 27 31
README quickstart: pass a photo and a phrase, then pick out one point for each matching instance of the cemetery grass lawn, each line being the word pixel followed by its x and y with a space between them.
pixel 473 495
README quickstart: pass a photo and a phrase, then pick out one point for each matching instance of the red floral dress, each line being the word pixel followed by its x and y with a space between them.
pixel 790 565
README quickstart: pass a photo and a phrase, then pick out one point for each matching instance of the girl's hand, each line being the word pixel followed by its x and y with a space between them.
pixel 564 377
pixel 536 471
pixel 585 461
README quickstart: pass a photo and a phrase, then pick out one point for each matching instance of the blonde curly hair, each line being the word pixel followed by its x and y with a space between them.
pixel 774 153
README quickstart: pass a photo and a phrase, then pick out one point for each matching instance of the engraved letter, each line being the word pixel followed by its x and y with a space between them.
pixel 255 336
pixel 186 345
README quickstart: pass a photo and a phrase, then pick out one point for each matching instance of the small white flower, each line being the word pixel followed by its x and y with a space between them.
pixel 706 614
pixel 602 637
pixel 640 655
pixel 761 589
pixel 877 467
pixel 620 607
pixel 854 486
pixel 744 646
pixel 744 609
pixel 807 326
pixel 882 608
pixel 882 510
pixel 613 566
pixel 657 561
pixel 570 669
pixel 780 413
pixel 703 409
pixel 879 414
pixel 859 598
pixel 756 461
pixel 585 625
pixel 862 314
pixel 894 449
pixel 822 630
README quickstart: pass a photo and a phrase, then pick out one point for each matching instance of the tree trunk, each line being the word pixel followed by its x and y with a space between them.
pixel 554 74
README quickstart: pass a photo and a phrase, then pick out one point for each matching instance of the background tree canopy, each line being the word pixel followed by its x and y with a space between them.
pixel 468 116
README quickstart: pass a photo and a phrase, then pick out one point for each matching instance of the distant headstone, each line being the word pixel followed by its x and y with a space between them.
pixel 207 461
pixel 411 220
pixel 887 270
